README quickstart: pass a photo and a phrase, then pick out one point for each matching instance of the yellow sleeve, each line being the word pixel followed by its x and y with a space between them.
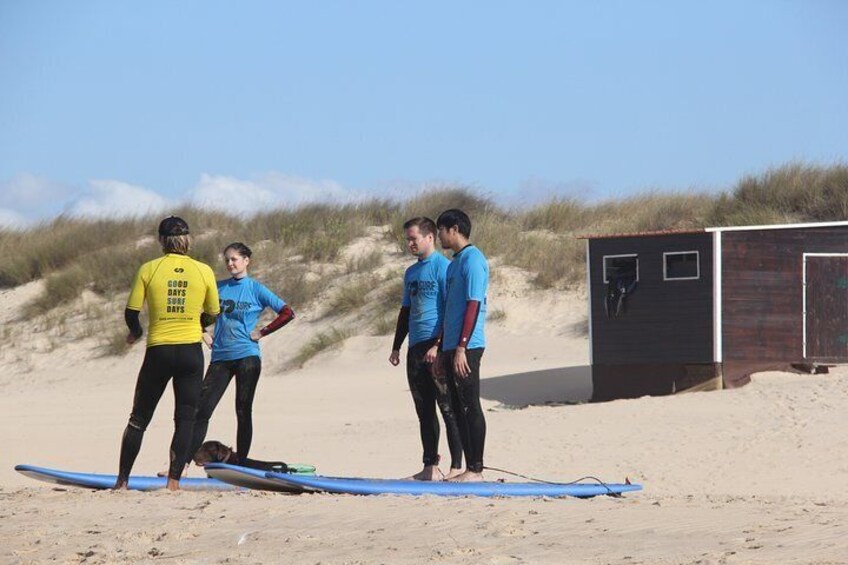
pixel 136 299
pixel 212 304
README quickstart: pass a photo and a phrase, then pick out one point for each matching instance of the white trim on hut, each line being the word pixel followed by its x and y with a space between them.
pixel 717 345
pixel 589 287
pixel 781 227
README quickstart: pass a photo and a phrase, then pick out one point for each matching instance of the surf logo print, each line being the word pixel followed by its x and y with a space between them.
pixel 422 292
pixel 427 288
pixel 231 306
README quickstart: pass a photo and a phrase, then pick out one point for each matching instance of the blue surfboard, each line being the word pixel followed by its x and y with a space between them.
pixel 255 479
pixel 340 485
pixel 98 481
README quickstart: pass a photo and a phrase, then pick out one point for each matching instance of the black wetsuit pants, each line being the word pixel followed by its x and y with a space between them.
pixel 465 394
pixel 428 392
pixel 184 364
pixel 215 383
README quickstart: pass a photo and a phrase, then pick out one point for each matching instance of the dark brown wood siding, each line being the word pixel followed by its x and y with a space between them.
pixel 656 379
pixel 762 294
pixel 666 321
pixel 826 308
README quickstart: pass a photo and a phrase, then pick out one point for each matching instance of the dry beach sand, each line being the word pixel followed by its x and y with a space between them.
pixel 754 475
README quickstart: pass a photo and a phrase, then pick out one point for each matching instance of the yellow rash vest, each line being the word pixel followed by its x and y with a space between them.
pixel 177 289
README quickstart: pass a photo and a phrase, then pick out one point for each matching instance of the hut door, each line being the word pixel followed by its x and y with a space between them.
pixel 826 307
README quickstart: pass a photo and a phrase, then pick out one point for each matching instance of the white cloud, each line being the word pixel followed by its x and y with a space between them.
pixel 27 197
pixel 299 190
pixel 116 198
pixel 231 194
pixel 271 190
pixel 10 219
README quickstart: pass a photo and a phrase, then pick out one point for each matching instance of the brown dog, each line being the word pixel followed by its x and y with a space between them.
pixel 216 452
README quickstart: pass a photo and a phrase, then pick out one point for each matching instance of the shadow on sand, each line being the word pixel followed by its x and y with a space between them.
pixel 566 385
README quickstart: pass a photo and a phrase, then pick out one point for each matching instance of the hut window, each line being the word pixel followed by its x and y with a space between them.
pixel 621 266
pixel 681 266
pixel 621 273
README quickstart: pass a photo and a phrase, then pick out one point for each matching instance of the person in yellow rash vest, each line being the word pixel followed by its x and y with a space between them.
pixel 178 290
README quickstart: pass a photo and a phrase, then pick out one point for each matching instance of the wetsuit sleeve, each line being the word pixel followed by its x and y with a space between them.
pixel 131 319
pixel 206 320
pixel 402 327
pixel 469 322
pixel 286 315
pixel 136 298
pixel 211 304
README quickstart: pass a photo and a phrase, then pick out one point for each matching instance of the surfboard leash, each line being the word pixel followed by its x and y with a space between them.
pixel 574 482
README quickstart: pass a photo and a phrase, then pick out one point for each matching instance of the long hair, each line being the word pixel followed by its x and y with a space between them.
pixel 180 244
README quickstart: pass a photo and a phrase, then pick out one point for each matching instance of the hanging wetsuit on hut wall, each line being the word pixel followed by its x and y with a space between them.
pixel 622 278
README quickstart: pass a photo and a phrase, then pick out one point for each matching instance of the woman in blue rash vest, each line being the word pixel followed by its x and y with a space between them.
pixel 235 347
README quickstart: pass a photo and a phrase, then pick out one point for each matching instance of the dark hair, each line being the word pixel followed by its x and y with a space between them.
pixel 173 235
pixel 424 224
pixel 173 225
pixel 239 248
pixel 455 217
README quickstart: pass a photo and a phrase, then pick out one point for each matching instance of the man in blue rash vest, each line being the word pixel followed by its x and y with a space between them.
pixel 464 340
pixel 421 313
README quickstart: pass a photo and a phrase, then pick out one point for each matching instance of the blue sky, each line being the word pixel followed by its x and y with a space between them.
pixel 116 107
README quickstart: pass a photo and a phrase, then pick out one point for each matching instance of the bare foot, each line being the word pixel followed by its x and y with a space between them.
pixel 453 473
pixel 428 473
pixel 468 477
pixel 165 472
pixel 173 484
pixel 121 484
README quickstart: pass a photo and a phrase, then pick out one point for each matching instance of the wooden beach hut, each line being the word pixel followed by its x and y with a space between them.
pixel 677 310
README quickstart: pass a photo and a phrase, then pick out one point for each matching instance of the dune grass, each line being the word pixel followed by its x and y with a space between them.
pixel 365 263
pixel 383 325
pixel 74 254
pixel 320 343
pixel 350 297
pixel 496 315
pixel 796 192
pixel 48 247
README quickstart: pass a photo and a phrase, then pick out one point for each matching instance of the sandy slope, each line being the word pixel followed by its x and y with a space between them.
pixel 758 474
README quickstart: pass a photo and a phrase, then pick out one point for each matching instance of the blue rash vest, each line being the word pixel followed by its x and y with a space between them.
pixel 424 293
pixel 242 301
pixel 467 279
